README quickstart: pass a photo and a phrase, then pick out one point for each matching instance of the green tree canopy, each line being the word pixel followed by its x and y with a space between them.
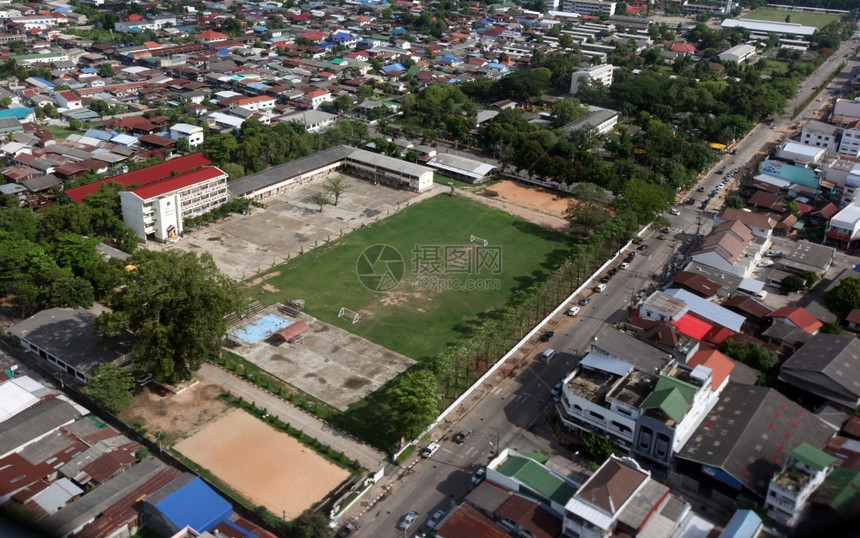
pixel 750 353
pixel 413 402
pixel 792 283
pixel 175 305
pixel 844 298
pixel 109 386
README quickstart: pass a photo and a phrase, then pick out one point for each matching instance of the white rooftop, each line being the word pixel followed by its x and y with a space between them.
pixel 770 27
pixel 708 310
pixel 802 149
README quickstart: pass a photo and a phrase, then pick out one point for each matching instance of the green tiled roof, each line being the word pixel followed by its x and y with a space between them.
pixel 537 478
pixel 673 396
pixel 812 457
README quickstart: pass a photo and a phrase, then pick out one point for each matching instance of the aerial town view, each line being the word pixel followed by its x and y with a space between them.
pixel 429 268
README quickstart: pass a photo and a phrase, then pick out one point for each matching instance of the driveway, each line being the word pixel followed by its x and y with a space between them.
pixel 371 458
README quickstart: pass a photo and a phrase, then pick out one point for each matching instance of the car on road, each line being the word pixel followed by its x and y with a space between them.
pixel 674 211
pixel 606 279
pixel 556 390
pixel 818 100
pixel 625 265
pixel 584 301
pixel 661 237
pixel 642 247
pixel 628 259
pixel 461 437
pixel 765 263
pixel 691 201
pixel 429 450
pixel 408 520
pixel 347 530
pixel 613 271
pixel 701 189
pixel 435 518
pixel 666 230
pixel 773 253
pixel 546 336
pixel 479 476
pixel 573 311
pixel 600 288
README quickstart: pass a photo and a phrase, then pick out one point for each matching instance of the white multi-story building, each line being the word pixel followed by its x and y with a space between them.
pixel 588 7
pixel 35 22
pixel 599 73
pixel 790 488
pixel 851 186
pixel 850 144
pixel 156 210
pixel 820 135
pixel 193 133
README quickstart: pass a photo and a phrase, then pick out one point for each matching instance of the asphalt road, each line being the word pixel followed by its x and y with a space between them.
pixel 510 413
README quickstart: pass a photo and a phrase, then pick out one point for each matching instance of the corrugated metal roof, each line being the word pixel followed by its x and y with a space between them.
pixel 14 399
pixel 708 310
pixel 605 363
pixel 57 495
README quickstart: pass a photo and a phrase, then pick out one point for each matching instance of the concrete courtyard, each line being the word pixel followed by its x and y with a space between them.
pixel 244 245
pixel 327 362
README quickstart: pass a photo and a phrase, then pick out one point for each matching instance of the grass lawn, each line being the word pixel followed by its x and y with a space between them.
pixel 411 317
pixel 819 20
pixel 60 132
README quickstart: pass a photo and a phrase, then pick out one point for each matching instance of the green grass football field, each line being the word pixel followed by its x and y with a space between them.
pixel 819 20
pixel 417 312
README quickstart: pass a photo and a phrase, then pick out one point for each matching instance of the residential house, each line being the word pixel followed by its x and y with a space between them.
pixel 794 484
pixel 522 475
pixel 68 100
pixel 798 317
pixel 193 133
pixel 849 146
pixel 820 135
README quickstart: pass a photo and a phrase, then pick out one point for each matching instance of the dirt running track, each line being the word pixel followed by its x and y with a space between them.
pixel 369 457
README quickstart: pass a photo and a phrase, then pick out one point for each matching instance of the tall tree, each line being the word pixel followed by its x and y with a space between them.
pixel 109 386
pixel 844 298
pixel 175 305
pixel 414 402
pixel 335 186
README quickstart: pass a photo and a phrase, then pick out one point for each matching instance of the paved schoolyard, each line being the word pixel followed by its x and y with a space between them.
pixel 327 362
pixel 244 245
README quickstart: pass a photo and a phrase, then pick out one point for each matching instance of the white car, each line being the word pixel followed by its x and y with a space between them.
pixel 435 518
pixel 479 475
pixel 674 211
pixel 573 311
pixel 625 265
pixel 600 288
pixel 773 253
pixel 765 263
pixel 429 450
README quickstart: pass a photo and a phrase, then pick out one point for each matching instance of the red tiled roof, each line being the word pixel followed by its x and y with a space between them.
pixel 467 522
pixel 718 334
pixel 178 182
pixel 677 46
pixel 531 516
pixel 853 316
pixel 143 176
pixel 692 326
pixel 799 316
pixel 697 283
pixel 720 365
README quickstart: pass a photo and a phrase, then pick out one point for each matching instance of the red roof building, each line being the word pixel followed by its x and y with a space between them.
pixel 720 366
pixel 797 316
pixel 143 176
pixel 468 522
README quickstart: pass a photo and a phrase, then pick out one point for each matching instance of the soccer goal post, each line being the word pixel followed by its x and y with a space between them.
pixel 349 314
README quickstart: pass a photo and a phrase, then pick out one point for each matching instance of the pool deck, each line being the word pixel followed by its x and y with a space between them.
pixel 327 362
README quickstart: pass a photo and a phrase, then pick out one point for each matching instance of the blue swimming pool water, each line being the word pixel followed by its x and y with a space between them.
pixel 263 327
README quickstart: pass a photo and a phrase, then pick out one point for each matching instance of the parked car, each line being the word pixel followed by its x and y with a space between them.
pixel 773 253
pixel 584 301
pixel 661 237
pixel 479 476
pixel 429 450
pixel 701 189
pixel 628 259
pixel 546 336
pixel 547 355
pixel 765 263
pixel 625 265
pixel 642 247
pixel 600 288
pixel 461 437
pixel 606 279
pixel 347 530
pixel 556 390
pixel 408 520
pixel 573 311
pixel 435 518
pixel 674 211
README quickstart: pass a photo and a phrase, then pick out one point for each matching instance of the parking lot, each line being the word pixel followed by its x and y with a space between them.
pixel 244 245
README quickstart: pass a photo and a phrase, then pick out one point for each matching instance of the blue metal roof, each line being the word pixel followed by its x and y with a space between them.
pixel 195 505
pixel 45 82
pixel 99 134
pixel 20 112
pixel 744 524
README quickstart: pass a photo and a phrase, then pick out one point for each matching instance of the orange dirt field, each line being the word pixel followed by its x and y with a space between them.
pixel 265 466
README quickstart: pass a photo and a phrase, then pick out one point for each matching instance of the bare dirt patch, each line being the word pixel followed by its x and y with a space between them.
pixel 532 197
pixel 265 466
pixel 261 279
pixel 176 416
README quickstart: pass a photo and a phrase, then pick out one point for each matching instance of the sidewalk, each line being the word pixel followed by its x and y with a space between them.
pixel 369 457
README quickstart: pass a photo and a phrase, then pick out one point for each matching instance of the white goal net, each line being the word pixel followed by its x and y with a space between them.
pixel 476 239
pixel 349 314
